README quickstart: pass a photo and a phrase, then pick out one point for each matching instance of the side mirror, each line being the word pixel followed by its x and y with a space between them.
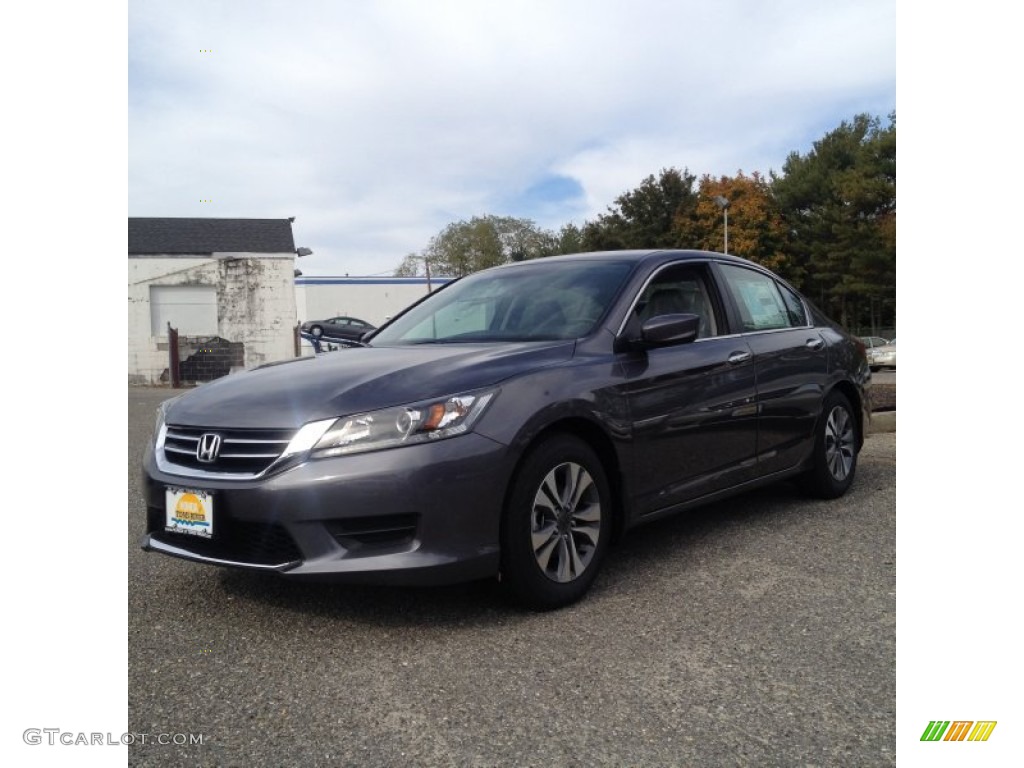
pixel 668 330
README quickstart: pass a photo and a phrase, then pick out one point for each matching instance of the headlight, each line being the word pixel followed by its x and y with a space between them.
pixel 403 425
pixel 159 419
pixel 160 427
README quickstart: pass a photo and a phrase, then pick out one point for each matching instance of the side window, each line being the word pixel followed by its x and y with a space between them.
pixel 757 299
pixel 680 289
pixel 794 307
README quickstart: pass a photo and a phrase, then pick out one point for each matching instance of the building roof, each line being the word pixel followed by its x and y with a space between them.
pixel 150 236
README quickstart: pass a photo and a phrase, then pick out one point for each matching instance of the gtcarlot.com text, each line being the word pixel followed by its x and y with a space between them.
pixel 54 736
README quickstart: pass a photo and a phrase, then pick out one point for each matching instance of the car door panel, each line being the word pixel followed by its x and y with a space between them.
pixel 792 371
pixel 790 359
pixel 694 420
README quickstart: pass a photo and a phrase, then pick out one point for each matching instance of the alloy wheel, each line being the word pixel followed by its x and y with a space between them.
pixel 565 523
pixel 839 439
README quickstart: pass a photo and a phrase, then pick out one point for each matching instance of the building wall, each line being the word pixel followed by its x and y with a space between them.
pixel 255 306
pixel 374 299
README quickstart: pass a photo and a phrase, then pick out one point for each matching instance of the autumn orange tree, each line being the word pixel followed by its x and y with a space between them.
pixel 756 229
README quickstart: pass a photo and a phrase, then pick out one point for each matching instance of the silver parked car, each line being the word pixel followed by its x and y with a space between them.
pixel 883 356
pixel 873 341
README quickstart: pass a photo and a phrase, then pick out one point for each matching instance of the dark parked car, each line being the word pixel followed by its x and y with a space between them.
pixel 512 424
pixel 338 328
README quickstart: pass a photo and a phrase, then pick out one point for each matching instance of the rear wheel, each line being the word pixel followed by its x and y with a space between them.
pixel 557 524
pixel 317 331
pixel 835 449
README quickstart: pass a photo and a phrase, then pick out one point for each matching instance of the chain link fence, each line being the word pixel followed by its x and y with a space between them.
pixel 886 333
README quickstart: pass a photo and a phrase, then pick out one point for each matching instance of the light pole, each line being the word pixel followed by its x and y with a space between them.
pixel 723 203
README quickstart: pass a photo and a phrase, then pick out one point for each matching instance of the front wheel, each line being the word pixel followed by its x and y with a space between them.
pixel 834 462
pixel 557 524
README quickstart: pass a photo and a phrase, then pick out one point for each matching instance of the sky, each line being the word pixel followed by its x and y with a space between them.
pixel 376 124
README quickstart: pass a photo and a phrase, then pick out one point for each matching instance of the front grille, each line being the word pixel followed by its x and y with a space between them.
pixel 241 542
pixel 242 451
pixel 358 533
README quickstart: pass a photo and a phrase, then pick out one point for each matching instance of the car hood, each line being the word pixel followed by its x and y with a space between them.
pixel 294 392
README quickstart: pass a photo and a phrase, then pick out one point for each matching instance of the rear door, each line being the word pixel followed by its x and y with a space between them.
pixel 790 362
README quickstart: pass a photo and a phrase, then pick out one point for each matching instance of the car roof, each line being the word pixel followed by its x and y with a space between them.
pixel 637 256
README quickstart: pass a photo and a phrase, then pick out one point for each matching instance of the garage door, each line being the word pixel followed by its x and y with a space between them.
pixel 192 309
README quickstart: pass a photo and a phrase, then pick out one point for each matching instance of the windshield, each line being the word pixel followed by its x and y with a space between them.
pixel 533 302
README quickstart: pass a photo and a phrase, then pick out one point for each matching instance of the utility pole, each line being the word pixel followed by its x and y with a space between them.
pixel 723 203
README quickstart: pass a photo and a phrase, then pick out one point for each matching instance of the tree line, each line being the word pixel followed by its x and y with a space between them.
pixel 826 223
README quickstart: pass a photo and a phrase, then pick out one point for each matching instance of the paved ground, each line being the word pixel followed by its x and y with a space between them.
pixel 884 376
pixel 757 632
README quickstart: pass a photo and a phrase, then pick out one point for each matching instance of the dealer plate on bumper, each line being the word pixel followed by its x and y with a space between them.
pixel 189 511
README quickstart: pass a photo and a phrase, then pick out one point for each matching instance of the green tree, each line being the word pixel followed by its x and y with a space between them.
pixel 568 240
pixel 486 241
pixel 839 205
pixel 644 217
pixel 411 266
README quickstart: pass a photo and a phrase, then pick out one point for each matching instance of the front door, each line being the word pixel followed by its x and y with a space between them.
pixel 692 406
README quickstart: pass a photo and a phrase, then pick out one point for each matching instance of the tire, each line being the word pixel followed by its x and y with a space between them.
pixel 875 368
pixel 317 331
pixel 834 462
pixel 551 546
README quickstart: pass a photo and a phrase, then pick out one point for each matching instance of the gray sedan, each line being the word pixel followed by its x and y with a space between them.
pixel 512 424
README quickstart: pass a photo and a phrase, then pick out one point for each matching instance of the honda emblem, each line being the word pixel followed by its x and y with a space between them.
pixel 208 448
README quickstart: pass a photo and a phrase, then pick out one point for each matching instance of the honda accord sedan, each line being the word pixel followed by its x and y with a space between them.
pixel 512 425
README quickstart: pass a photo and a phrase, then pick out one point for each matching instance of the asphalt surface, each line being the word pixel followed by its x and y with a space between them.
pixel 884 376
pixel 759 631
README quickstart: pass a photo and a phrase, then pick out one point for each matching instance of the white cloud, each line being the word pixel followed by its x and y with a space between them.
pixel 378 123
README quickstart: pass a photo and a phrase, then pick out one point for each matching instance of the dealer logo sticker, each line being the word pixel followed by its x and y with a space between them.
pixel 958 730
pixel 189 512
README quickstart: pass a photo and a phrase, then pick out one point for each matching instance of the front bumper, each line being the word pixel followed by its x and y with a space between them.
pixel 422 514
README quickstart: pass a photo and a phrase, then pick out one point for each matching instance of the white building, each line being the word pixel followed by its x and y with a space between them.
pixel 229 280
pixel 373 299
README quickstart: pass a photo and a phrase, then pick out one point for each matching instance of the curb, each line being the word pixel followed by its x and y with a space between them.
pixel 882 421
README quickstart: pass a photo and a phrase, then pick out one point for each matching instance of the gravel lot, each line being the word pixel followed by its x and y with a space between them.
pixel 759 631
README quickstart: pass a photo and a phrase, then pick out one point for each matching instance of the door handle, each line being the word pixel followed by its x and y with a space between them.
pixel 815 344
pixel 739 357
